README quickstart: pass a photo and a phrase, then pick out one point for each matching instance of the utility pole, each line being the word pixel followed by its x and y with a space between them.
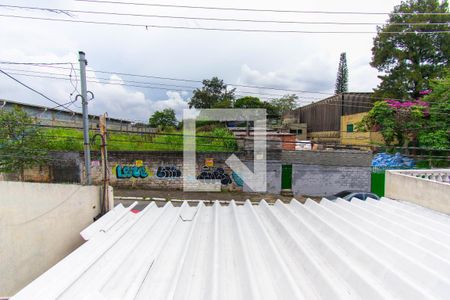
pixel 104 154
pixel 87 152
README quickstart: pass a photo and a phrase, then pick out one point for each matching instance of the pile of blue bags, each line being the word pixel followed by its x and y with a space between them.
pixel 386 160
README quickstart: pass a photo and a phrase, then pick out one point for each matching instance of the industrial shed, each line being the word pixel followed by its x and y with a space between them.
pixel 325 115
pixel 333 250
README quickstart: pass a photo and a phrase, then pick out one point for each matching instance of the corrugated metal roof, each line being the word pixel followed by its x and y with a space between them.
pixel 332 250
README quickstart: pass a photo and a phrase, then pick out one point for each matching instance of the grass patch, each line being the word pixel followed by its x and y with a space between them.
pixel 65 139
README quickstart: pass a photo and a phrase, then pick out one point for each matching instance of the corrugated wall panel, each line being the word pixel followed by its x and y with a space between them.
pixel 328 250
pixel 325 115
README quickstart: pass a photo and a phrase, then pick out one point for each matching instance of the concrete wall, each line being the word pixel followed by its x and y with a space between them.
pixel 421 191
pixel 65 167
pixel 324 136
pixel 162 169
pixel 273 170
pixel 149 168
pixel 323 173
pixel 318 180
pixel 39 225
pixel 342 158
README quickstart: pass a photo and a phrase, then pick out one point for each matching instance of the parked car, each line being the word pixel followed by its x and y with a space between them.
pixel 348 195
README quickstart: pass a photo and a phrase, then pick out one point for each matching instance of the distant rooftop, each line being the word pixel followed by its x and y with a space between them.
pixel 4 103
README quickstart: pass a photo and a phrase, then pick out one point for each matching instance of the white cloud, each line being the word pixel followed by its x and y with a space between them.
pixel 289 61
pixel 119 100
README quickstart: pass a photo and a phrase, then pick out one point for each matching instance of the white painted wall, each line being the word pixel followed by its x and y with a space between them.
pixel 424 192
pixel 39 225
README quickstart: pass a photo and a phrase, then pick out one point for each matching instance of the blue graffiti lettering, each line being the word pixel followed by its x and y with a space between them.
pixel 131 171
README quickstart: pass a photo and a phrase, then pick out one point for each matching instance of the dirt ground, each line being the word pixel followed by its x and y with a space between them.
pixel 166 195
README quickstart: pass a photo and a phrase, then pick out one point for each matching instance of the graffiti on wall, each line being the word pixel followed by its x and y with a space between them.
pixel 124 172
pixel 209 162
pixel 168 172
pixel 238 180
pixel 215 173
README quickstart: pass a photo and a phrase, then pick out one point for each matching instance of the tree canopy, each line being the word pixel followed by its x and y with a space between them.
pixel 397 121
pixel 163 119
pixel 435 133
pixel 213 94
pixel 425 121
pixel 411 59
pixel 248 102
pixel 22 145
pixel 342 75
pixel 284 104
pixel 254 102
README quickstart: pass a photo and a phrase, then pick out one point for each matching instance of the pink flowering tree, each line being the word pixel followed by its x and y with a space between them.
pixel 398 121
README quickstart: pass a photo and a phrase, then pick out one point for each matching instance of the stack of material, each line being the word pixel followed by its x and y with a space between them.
pixel 386 160
pixel 332 250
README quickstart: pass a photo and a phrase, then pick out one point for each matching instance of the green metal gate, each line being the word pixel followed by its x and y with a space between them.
pixel 286 177
pixel 378 181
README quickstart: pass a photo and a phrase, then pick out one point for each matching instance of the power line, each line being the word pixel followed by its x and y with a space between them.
pixel 210 136
pixel 365 105
pixel 200 81
pixel 37 63
pixel 37 92
pixel 370 97
pixel 147 26
pixel 216 19
pixel 192 80
pixel 67 137
pixel 146 85
pixel 262 10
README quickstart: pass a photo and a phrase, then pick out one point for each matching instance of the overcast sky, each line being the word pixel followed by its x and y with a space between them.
pixel 283 60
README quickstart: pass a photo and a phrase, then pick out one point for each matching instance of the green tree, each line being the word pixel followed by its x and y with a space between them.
pixel 214 93
pixel 248 102
pixel 163 119
pixel 396 121
pixel 254 102
pixel 411 59
pixel 342 75
pixel 284 104
pixel 22 145
pixel 435 133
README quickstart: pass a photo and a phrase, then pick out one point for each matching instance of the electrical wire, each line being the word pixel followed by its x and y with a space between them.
pixel 108 82
pixel 147 26
pixel 276 142
pixel 368 105
pixel 261 10
pixel 191 80
pixel 37 92
pixel 369 96
pixel 244 138
pixel 216 19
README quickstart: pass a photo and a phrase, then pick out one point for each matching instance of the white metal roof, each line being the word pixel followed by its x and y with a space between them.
pixel 332 250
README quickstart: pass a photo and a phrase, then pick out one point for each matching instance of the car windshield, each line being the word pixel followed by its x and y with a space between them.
pixel 342 194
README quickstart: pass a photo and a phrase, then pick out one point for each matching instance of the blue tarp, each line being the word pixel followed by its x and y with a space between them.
pixel 386 160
